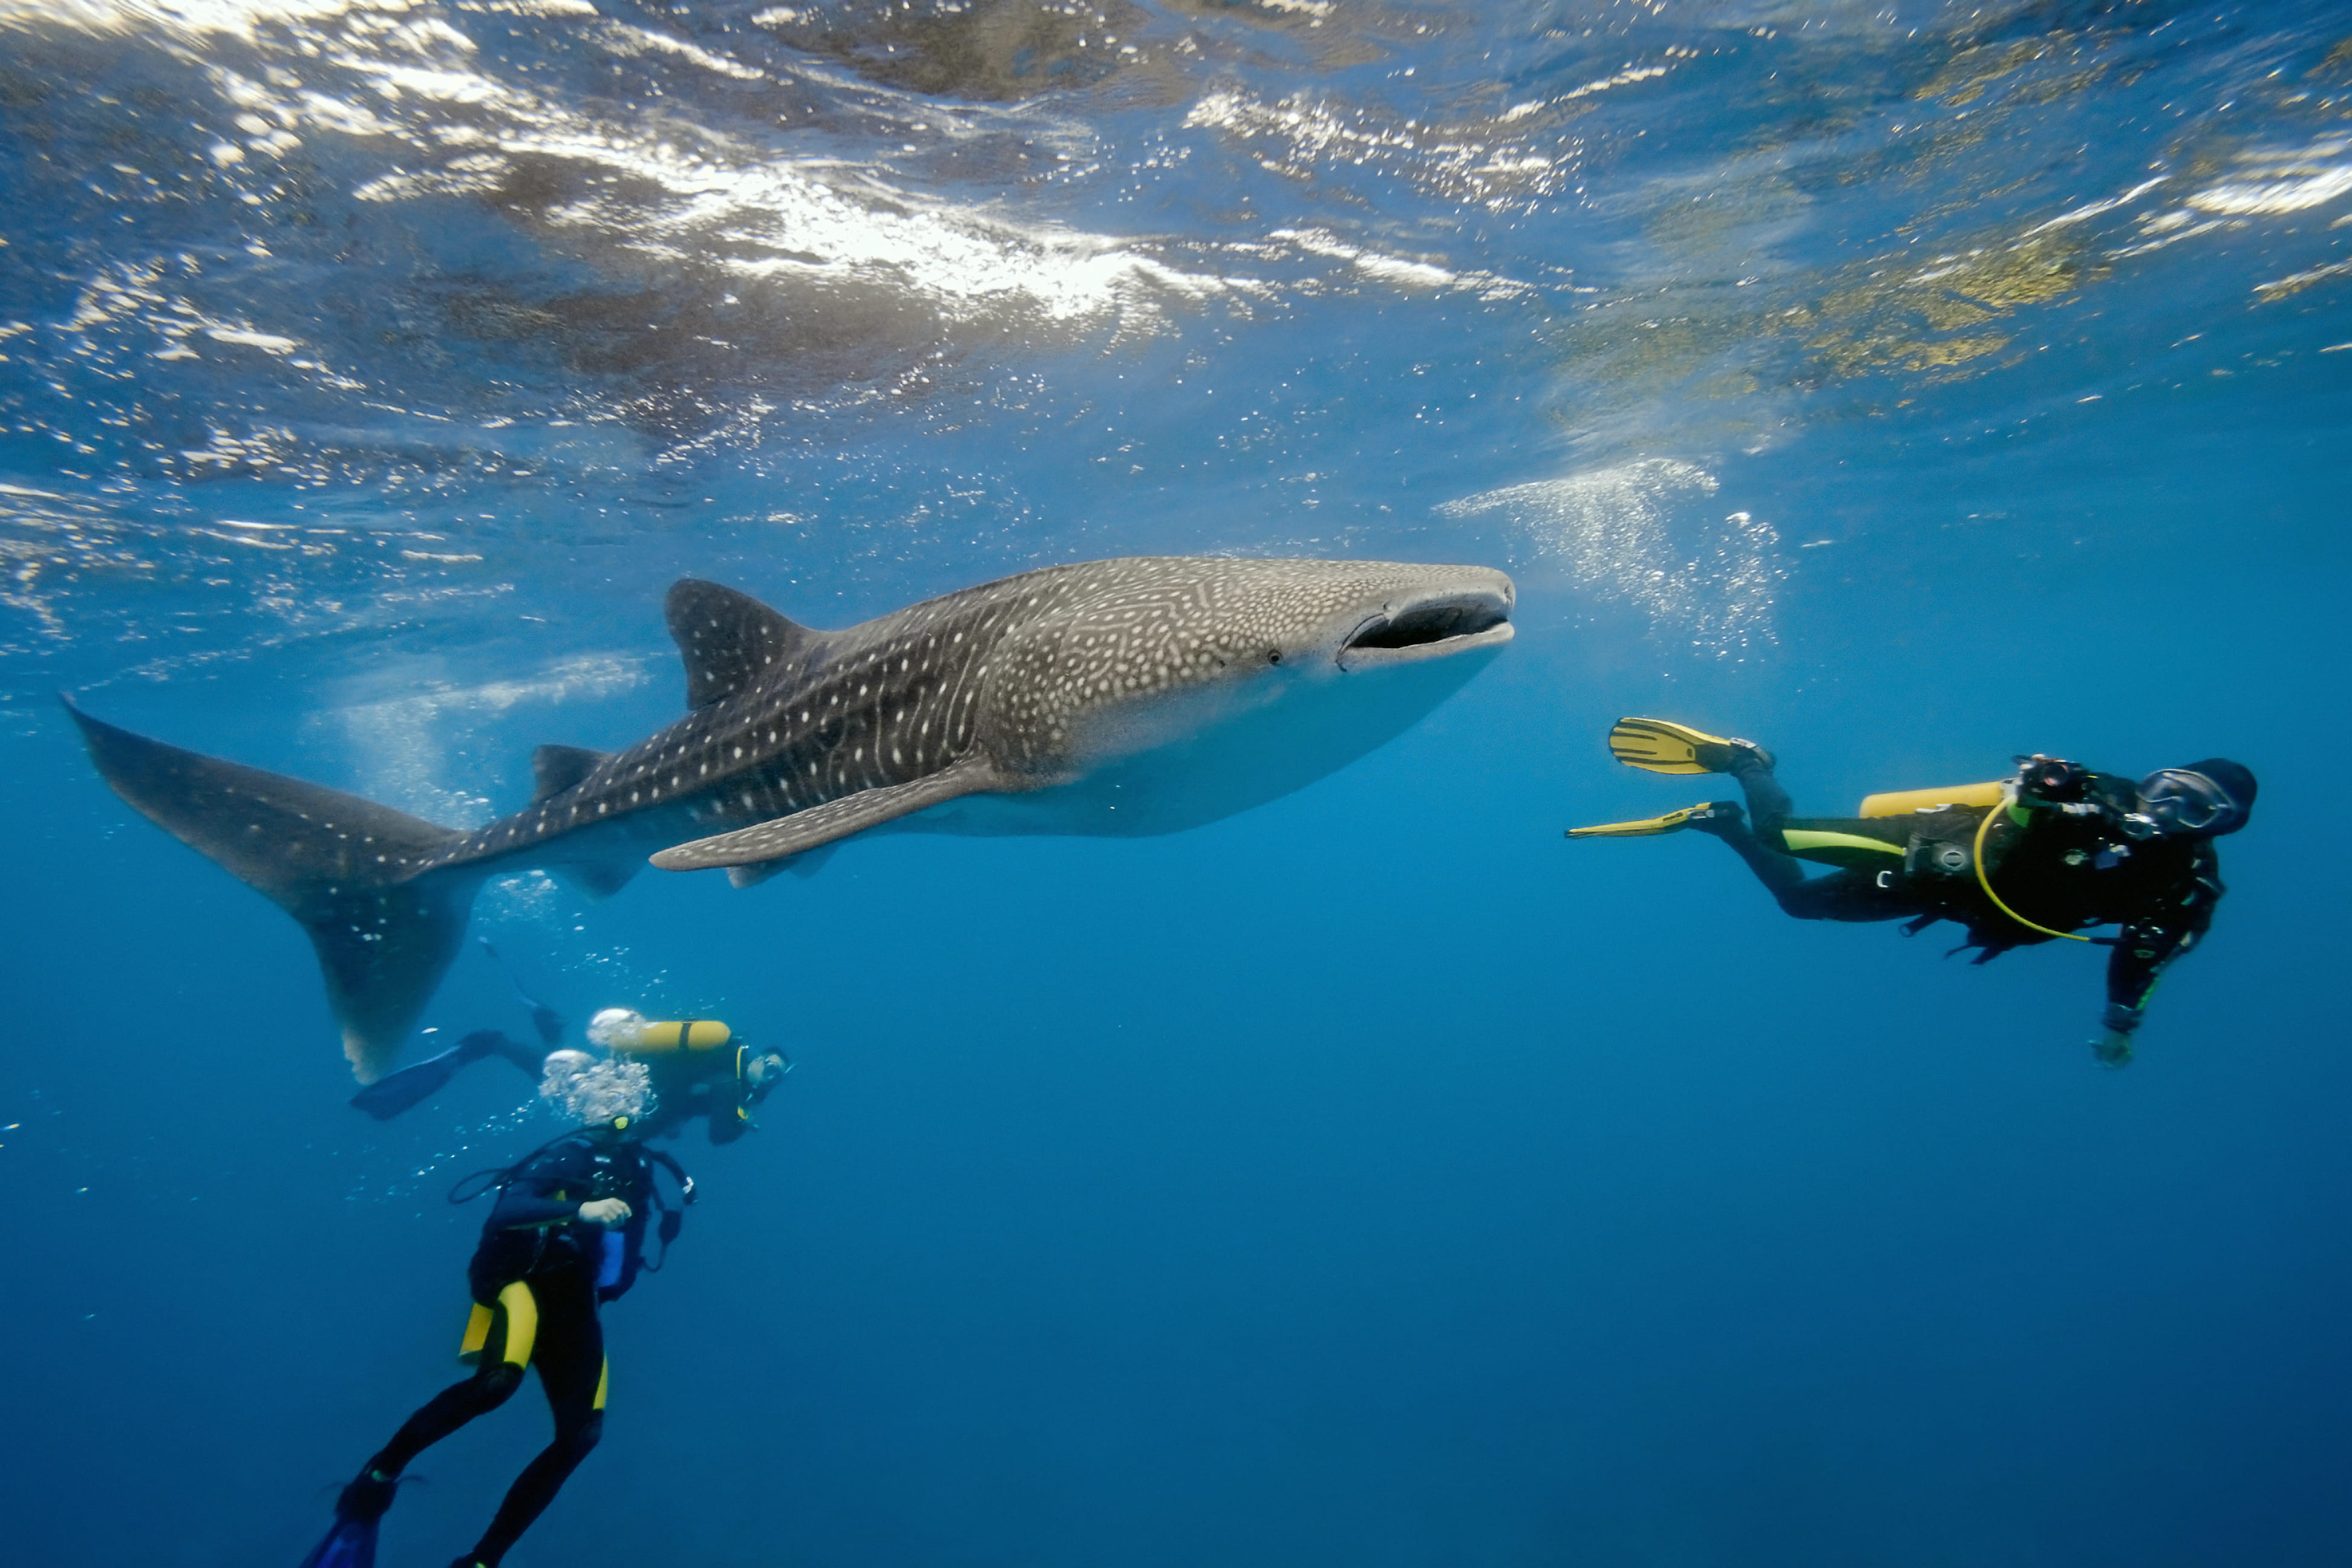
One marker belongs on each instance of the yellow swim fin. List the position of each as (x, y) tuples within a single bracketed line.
[(1651, 826), (1662, 746)]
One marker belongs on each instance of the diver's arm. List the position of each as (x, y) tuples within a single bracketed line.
[(523, 1207), (2154, 941), (530, 1200), (527, 1211)]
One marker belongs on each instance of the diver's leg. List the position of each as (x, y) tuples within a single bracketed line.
[(1781, 875), (570, 1362), (1768, 804), (1768, 810), (1845, 895), (529, 1062), (493, 1384), (1848, 895), (1834, 897)]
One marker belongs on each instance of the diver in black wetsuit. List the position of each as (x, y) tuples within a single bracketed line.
[(566, 1235), (2025, 861), (701, 1070)]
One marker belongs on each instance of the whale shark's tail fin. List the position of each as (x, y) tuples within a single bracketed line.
[(357, 874)]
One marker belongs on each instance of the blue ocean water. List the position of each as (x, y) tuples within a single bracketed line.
[(1369, 1178)]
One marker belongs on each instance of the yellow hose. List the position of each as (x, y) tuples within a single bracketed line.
[(1985, 883)]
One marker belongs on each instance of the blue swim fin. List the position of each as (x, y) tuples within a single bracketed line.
[(361, 1508), (350, 1544), (395, 1092)]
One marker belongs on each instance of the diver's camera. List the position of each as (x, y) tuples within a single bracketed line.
[(2051, 778)]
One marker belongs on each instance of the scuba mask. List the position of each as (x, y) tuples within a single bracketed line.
[(2182, 803), (758, 1075)]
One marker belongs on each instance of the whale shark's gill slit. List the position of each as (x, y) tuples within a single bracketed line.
[(1438, 621)]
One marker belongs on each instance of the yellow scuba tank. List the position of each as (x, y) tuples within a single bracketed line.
[(1992, 797), (625, 1033), (662, 1036), (1903, 802)]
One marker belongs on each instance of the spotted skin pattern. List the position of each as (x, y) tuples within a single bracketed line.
[(1005, 675), (798, 737)]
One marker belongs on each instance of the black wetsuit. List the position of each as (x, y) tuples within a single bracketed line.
[(2066, 865), (535, 1238), (707, 1086)]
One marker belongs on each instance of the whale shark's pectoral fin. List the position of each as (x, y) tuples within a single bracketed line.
[(835, 819)]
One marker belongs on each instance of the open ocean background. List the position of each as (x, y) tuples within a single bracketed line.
[(1374, 1179)]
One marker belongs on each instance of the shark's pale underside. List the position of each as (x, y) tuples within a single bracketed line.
[(1111, 696)]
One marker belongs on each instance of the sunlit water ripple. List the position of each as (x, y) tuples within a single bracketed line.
[(398, 322)]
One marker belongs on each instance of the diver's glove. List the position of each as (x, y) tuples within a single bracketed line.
[(604, 1211), (2117, 1024)]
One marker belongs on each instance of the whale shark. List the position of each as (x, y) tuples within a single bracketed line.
[(1125, 697)]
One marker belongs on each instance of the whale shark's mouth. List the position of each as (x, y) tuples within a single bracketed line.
[(1435, 627)]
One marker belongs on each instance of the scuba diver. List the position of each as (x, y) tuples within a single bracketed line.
[(566, 1235), (700, 1067), (701, 1070), (2018, 861)]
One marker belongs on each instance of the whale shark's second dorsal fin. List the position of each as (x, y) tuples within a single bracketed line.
[(731, 641), (554, 769)]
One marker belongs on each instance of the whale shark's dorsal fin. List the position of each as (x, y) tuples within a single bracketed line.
[(554, 769), (731, 641)]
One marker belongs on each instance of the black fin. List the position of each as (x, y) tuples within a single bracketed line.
[(598, 879), (821, 824), (731, 641), (411, 1085), (805, 864), (351, 870), (809, 862), (554, 769)]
